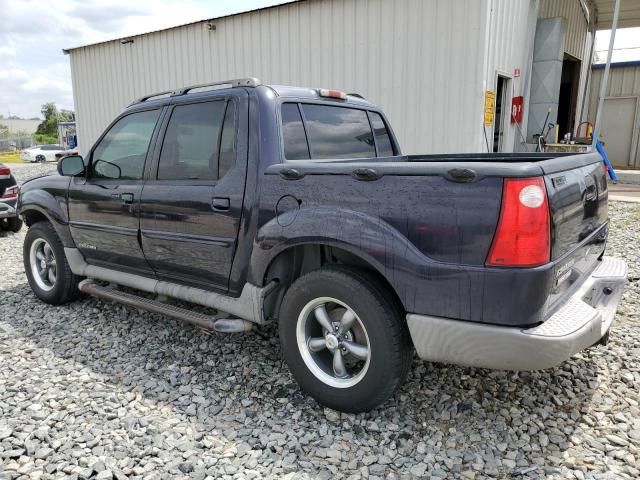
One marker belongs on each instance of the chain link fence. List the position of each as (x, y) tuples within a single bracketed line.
[(9, 144)]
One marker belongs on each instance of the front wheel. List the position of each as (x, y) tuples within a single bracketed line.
[(344, 338), (46, 266)]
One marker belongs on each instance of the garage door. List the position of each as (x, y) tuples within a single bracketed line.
[(619, 126)]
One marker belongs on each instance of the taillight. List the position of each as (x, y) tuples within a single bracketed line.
[(523, 235), (11, 192), (5, 172)]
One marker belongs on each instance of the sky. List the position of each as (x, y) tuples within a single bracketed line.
[(626, 47), (33, 69)]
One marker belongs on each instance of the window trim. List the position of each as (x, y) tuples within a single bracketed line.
[(150, 147), (300, 102), (394, 149), (153, 174)]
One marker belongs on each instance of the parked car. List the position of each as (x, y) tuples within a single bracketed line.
[(9, 219), (41, 153), (304, 212), (66, 153)]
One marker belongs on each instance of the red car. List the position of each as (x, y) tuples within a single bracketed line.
[(9, 219)]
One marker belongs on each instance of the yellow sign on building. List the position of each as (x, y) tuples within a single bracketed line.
[(489, 107)]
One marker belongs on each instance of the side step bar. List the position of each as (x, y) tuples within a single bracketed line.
[(223, 325)]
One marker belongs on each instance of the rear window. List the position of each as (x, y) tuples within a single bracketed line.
[(383, 140), (332, 132)]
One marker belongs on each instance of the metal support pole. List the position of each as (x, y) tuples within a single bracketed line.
[(605, 77)]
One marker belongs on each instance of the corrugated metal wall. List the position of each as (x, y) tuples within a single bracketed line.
[(510, 40), (577, 28), (422, 61), (577, 41), (624, 81)]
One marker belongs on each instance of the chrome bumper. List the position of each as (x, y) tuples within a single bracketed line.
[(7, 211), (580, 323)]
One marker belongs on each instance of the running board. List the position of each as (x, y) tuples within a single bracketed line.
[(223, 325), (248, 306)]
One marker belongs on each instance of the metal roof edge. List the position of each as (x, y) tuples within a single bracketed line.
[(66, 51), (630, 63)]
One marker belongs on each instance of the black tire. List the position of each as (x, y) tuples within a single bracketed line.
[(14, 224), (65, 287), (390, 349)]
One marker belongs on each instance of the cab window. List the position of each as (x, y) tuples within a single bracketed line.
[(121, 152), (317, 131), (199, 143)]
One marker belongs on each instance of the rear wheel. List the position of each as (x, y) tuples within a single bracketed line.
[(46, 266), (344, 339)]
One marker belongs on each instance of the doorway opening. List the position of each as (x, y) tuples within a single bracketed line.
[(502, 111), (568, 95)]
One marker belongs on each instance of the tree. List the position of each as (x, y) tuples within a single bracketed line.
[(49, 125), (52, 116)]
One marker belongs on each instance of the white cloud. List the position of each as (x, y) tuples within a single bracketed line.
[(33, 69)]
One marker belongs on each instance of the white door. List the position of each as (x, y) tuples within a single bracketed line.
[(618, 127)]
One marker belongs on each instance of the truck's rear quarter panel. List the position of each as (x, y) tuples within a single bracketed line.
[(444, 229)]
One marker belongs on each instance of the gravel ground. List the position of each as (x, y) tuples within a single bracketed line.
[(97, 390)]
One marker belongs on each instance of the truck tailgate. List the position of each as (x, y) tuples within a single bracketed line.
[(579, 221)]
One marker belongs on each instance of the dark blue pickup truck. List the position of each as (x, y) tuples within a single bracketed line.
[(295, 205)]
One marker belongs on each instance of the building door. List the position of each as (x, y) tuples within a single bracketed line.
[(502, 111), (618, 126), (568, 95)]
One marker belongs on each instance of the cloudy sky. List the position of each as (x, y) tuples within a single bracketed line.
[(33, 69)]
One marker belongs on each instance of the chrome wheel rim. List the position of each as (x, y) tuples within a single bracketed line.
[(43, 264), (333, 342)]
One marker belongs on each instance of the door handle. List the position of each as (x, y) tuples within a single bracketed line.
[(220, 203), (127, 198)]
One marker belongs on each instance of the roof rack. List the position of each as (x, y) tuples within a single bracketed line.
[(237, 82)]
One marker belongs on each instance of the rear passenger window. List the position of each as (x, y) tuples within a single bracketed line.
[(338, 132), (383, 140), (199, 143), (295, 140)]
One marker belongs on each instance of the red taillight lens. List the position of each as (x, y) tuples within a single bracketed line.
[(523, 236), (5, 172), (11, 192)]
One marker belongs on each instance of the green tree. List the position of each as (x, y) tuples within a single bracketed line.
[(52, 116), (49, 125)]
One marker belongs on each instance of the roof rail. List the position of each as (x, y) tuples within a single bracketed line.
[(237, 82), (147, 97)]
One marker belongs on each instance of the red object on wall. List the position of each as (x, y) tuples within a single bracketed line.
[(517, 106)]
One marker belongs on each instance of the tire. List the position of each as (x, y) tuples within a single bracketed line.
[(366, 377), (14, 224), (43, 252)]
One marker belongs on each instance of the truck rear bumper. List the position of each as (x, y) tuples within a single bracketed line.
[(580, 323), (7, 210)]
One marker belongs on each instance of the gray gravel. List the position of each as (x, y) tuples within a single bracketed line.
[(97, 390)]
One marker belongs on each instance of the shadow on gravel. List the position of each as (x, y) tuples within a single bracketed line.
[(222, 381)]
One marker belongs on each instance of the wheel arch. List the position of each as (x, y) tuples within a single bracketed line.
[(293, 261), (32, 214)]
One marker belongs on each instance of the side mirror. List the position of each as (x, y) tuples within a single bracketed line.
[(71, 166), (104, 169)]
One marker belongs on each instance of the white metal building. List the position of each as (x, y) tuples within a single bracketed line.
[(428, 63), (621, 114)]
